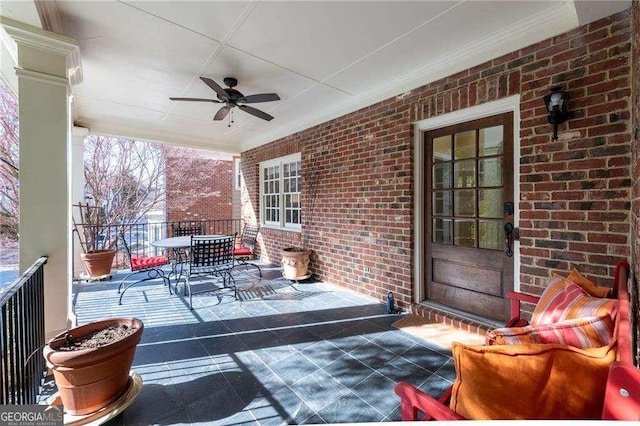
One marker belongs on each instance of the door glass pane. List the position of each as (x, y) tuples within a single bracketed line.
[(490, 142), (490, 203), (465, 233), (465, 203), (442, 203), (490, 172), (442, 231), (442, 148), (442, 175), (491, 234), (464, 174), (465, 144)]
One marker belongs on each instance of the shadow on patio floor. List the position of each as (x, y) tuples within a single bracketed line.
[(284, 353)]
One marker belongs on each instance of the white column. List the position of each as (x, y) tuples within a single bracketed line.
[(43, 70), (77, 189)]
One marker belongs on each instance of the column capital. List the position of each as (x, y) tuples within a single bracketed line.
[(33, 37)]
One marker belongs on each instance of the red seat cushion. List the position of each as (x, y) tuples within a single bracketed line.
[(242, 251), (148, 262)]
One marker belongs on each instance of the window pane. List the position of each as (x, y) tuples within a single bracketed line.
[(490, 172), (464, 203), (491, 142), (442, 175), (442, 231), (490, 203), (491, 234), (465, 144), (442, 148), (465, 233), (442, 203), (464, 174)]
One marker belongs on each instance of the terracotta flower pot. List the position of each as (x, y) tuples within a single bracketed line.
[(90, 379), (295, 263), (98, 262)]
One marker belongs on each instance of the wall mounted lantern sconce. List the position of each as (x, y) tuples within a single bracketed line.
[(556, 103)]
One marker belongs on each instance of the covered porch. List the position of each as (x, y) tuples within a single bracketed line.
[(284, 353)]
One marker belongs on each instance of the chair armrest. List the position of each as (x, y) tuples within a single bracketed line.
[(516, 299), (622, 395), (413, 399)]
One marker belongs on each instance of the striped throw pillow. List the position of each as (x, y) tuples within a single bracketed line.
[(564, 300), (581, 333)]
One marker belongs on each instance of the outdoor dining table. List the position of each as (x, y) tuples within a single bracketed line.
[(180, 247)]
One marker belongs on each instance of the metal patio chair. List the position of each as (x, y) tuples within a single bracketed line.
[(182, 229), (152, 266), (246, 247), (213, 256)]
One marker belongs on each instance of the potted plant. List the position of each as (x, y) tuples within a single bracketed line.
[(95, 240), (91, 363)]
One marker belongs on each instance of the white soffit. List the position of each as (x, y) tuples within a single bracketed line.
[(324, 58)]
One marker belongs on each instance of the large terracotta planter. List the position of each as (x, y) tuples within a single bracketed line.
[(90, 379), (295, 263), (98, 262)]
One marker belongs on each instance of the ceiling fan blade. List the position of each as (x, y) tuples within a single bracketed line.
[(196, 100), (262, 97), (222, 113), (216, 88), (256, 112)]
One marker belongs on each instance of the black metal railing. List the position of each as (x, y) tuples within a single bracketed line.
[(22, 336), (140, 236)]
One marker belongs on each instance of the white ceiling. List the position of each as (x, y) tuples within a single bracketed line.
[(324, 58)]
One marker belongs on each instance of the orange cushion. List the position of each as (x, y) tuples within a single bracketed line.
[(532, 381), (587, 285), (582, 333), (563, 300)]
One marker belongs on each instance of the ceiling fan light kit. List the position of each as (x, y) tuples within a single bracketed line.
[(233, 98)]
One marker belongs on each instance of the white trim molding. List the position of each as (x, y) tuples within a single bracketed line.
[(34, 37), (509, 104)]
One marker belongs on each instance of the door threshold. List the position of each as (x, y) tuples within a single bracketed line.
[(455, 318)]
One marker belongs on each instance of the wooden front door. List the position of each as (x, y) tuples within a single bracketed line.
[(469, 172)]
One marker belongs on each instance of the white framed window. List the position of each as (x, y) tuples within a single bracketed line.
[(281, 192), (237, 174)]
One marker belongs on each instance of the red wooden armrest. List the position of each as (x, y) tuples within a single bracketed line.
[(413, 399), (622, 395), (516, 298)]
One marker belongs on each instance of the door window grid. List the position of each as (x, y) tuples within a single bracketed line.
[(467, 203)]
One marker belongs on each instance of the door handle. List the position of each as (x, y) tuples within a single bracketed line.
[(508, 239)]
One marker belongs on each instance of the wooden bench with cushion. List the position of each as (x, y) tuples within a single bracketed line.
[(558, 368)]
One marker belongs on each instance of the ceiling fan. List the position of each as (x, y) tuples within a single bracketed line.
[(233, 98)]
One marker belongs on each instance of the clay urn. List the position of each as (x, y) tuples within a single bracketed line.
[(295, 263), (91, 379)]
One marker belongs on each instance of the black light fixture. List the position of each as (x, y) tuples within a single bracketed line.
[(556, 103)]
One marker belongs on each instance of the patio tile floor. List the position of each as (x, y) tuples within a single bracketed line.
[(285, 353)]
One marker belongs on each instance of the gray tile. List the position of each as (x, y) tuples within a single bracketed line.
[(377, 391), (348, 371), (280, 358), (318, 389), (349, 408), (372, 355)]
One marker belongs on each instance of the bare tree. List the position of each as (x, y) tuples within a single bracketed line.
[(9, 183), (124, 178)]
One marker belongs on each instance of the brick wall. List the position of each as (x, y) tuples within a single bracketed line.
[(636, 158), (575, 192), (199, 189)]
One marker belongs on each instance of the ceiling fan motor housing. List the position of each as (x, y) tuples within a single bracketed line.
[(230, 81)]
